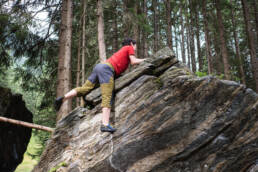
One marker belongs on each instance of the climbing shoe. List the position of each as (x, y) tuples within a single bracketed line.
[(58, 103), (107, 128)]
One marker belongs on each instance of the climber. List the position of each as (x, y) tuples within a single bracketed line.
[(104, 74)]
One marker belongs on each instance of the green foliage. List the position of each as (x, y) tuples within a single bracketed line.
[(32, 154), (33, 99), (35, 146), (221, 76), (62, 164), (159, 83), (201, 74)]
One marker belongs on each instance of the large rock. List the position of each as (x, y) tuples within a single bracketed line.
[(13, 138), (167, 120)]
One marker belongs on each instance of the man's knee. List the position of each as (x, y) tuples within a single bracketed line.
[(85, 89)]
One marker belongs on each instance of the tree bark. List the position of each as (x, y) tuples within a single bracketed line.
[(101, 36), (223, 45), (114, 29), (136, 28), (144, 35), (83, 45), (176, 40), (200, 59), (64, 57), (182, 35), (169, 24), (217, 60), (78, 72), (126, 19), (188, 44), (256, 21), (207, 37), (236, 40), (192, 47), (26, 124), (251, 44), (155, 21)]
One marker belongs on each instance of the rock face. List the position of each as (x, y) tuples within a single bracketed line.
[(167, 120), (13, 139)]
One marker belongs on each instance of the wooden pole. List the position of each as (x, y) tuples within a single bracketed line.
[(26, 124)]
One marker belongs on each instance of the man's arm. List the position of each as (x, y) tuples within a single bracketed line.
[(135, 60)]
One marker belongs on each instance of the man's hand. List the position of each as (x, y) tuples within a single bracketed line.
[(135, 60), (148, 60)]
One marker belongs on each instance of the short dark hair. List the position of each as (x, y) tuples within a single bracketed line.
[(128, 41)]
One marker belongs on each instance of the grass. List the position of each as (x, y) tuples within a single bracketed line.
[(31, 156)]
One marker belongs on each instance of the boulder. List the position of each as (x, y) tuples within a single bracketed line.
[(167, 119), (14, 139)]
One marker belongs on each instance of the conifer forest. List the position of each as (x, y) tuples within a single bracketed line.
[(48, 47)]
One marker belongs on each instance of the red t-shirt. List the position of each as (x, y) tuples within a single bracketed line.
[(120, 60)]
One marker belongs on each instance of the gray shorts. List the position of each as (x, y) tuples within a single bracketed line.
[(102, 72)]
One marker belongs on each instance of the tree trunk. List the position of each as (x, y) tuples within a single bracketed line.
[(256, 21), (182, 36), (144, 35), (114, 29), (207, 38), (217, 60), (26, 124), (155, 21), (101, 37), (241, 68), (83, 44), (78, 72), (176, 40), (136, 28), (251, 44), (126, 18), (192, 47), (169, 24), (200, 59), (140, 46), (188, 44), (158, 14), (64, 57), (223, 45)]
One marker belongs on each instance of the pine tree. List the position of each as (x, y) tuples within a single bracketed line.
[(191, 39), (223, 45), (251, 44), (236, 41), (182, 33), (169, 24), (101, 36), (64, 57), (207, 37)]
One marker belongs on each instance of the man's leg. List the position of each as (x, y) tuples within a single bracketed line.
[(106, 80), (105, 115), (79, 91), (83, 90), (106, 127), (70, 95), (106, 91)]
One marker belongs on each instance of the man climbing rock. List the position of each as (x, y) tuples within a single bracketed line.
[(104, 74)]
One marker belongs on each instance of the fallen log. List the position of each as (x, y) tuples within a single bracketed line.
[(26, 124)]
